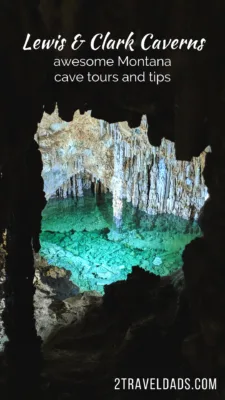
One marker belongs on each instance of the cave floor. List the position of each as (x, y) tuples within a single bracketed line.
[(80, 235)]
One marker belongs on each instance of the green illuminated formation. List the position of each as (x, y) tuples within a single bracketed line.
[(80, 235)]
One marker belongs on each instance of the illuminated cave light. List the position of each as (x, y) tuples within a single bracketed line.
[(79, 234)]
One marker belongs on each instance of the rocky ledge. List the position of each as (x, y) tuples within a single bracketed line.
[(53, 288), (142, 327)]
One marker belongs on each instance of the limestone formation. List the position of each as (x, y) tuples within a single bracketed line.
[(189, 111), (121, 159)]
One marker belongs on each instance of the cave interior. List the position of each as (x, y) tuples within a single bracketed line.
[(147, 324)]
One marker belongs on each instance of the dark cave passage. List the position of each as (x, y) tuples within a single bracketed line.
[(80, 235)]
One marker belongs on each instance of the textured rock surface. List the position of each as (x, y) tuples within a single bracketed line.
[(80, 235), (53, 287), (125, 163), (193, 117), (125, 335)]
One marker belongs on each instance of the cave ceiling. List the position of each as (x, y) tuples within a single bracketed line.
[(187, 111)]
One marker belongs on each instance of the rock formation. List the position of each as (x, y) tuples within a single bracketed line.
[(87, 151), (189, 111), (53, 286)]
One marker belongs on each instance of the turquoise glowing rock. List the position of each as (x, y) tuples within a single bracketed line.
[(157, 261)]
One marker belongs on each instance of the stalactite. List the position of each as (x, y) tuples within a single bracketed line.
[(97, 187), (153, 180), (74, 186), (80, 192), (68, 188), (161, 189), (64, 190), (102, 127), (71, 186), (118, 176)]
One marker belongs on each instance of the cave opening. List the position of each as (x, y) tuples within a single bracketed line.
[(114, 201), (62, 344)]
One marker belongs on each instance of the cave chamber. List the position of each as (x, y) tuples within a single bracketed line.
[(65, 344), (115, 201)]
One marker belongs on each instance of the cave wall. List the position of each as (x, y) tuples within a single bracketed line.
[(193, 106), (88, 150)]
